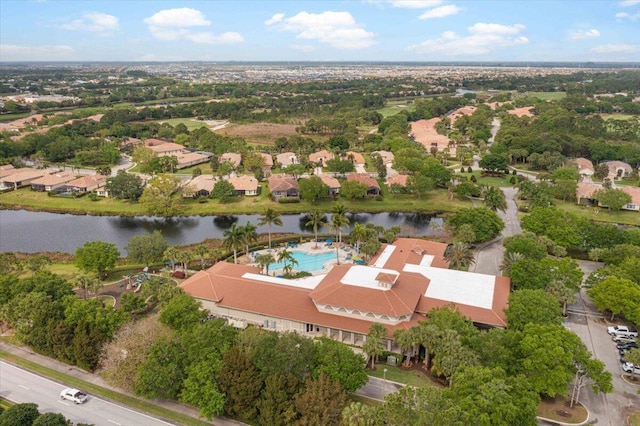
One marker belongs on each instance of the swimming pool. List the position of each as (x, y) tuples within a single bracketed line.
[(306, 262)]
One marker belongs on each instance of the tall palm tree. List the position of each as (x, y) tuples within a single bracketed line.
[(170, 254), (183, 257), (249, 236), (264, 260), (459, 255), (404, 339), (509, 259), (494, 199), (233, 238), (84, 282), (270, 217), (427, 335), (359, 234), (201, 250), (316, 221), (287, 258), (339, 220)]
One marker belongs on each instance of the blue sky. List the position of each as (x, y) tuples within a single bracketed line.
[(358, 30)]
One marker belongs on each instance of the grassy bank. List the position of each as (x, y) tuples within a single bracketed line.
[(435, 202), (401, 375), (600, 214)]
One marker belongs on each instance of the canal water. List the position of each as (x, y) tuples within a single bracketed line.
[(30, 232)]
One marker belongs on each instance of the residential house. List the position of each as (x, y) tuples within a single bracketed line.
[(189, 159), (18, 178), (585, 193), (585, 166), (402, 283), (199, 186), (355, 157), (424, 132), (268, 163), (373, 188), (398, 180), (387, 157), (231, 157), (321, 157), (286, 159), (245, 185), (86, 184), (618, 170), (282, 186), (162, 148), (333, 184), (53, 182), (634, 192)]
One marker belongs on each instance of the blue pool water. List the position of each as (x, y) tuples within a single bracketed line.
[(306, 262)]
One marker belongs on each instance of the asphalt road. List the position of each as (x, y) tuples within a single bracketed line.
[(21, 386), (377, 388)]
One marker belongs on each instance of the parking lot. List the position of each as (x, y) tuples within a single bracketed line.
[(611, 409)]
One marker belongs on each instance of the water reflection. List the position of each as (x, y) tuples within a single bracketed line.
[(37, 231)]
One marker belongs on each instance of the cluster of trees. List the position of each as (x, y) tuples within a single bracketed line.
[(475, 224), (255, 376), (28, 415), (495, 377)]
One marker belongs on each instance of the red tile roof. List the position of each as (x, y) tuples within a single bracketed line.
[(398, 180), (363, 178), (331, 182), (282, 183)]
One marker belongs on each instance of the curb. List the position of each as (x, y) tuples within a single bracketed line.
[(557, 422)]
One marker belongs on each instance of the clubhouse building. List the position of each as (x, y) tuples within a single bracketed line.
[(398, 288)]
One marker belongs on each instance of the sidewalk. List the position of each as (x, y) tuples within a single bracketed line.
[(26, 353)]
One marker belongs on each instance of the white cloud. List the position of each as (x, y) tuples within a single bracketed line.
[(94, 22), (414, 4), (629, 3), (303, 47), (184, 17), (616, 48), (441, 12), (278, 17), (337, 29), (11, 52), (482, 39), (624, 15), (584, 34), (176, 24)]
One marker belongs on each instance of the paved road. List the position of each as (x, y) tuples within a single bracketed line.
[(489, 258), (613, 408), (21, 386), (377, 388)]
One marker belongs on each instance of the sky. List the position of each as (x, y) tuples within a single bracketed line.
[(356, 30)]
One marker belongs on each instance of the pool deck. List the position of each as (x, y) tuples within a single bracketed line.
[(344, 251)]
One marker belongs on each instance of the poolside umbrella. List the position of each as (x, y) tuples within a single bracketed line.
[(329, 241), (356, 258)]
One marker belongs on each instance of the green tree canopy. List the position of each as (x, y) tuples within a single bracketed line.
[(147, 248), (223, 191), (126, 186), (486, 223), (96, 256), (532, 306), (615, 199), (162, 196), (312, 189)]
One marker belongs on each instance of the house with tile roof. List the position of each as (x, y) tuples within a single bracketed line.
[(321, 157), (399, 180), (333, 184), (231, 157), (286, 159), (267, 165), (86, 184), (387, 156), (618, 170), (189, 159), (282, 186), (634, 192), (53, 182), (373, 187), (12, 178), (398, 288), (161, 148), (355, 157), (199, 186), (584, 165), (585, 195), (245, 185)]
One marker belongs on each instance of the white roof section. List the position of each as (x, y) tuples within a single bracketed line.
[(365, 276), (427, 259), (466, 288), (308, 283), (384, 256)]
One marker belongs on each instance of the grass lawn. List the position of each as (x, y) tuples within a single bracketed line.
[(548, 96), (191, 123), (68, 271), (7, 404), (120, 398), (493, 181), (617, 116), (600, 215), (395, 106), (109, 301), (400, 375), (634, 420), (436, 201), (559, 410)]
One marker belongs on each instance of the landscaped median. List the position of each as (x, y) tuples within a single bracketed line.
[(120, 398)]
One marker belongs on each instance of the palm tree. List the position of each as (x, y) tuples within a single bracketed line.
[(374, 346), (233, 238), (459, 255), (270, 217), (183, 257), (359, 233), (427, 335), (170, 254), (249, 236), (201, 250), (264, 260), (316, 221), (84, 282), (509, 260), (339, 220), (405, 339), (562, 293), (494, 199), (287, 258)]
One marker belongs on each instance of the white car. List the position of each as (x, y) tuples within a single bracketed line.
[(73, 395), (628, 367), (622, 330)]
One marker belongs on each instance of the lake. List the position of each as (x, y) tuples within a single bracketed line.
[(30, 232)]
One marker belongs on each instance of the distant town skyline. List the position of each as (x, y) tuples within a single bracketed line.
[(366, 30)]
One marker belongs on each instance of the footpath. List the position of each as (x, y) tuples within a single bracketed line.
[(27, 354)]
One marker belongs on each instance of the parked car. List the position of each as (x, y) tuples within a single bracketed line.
[(622, 330), (628, 368), (623, 339), (73, 395), (627, 345)]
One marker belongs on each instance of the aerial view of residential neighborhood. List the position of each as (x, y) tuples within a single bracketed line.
[(357, 213)]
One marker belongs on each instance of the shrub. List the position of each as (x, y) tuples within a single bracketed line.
[(469, 169), (288, 200)]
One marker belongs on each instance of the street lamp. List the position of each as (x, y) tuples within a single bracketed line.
[(384, 374)]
